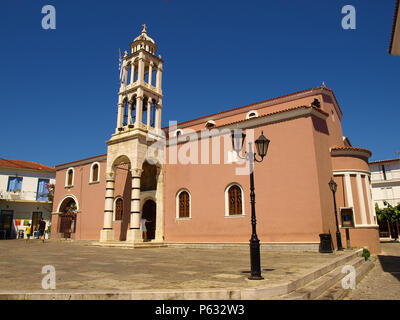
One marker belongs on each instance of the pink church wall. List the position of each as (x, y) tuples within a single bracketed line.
[(90, 197), (287, 184)]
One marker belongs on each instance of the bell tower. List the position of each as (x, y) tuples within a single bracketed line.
[(140, 94), (138, 127)]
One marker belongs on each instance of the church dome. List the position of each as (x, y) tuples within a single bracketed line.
[(143, 41), (144, 36)]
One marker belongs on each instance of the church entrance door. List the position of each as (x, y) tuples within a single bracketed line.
[(149, 213)]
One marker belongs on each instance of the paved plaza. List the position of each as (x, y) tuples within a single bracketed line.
[(82, 267)]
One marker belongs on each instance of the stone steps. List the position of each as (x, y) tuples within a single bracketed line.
[(328, 284), (127, 245), (337, 292)]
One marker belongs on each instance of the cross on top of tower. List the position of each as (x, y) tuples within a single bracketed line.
[(143, 35)]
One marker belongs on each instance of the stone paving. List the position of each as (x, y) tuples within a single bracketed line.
[(82, 267), (383, 281)]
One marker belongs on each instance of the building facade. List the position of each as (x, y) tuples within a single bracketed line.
[(188, 183), (23, 196), (385, 179)]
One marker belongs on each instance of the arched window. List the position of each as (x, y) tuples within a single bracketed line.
[(210, 124), (94, 172), (69, 179), (251, 114), (234, 200), (178, 133), (183, 204), (119, 209)]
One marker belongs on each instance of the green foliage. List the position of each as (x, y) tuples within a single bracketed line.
[(366, 254), (389, 213)]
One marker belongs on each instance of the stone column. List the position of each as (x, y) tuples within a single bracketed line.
[(134, 234), (107, 234), (126, 77), (141, 71), (150, 72), (159, 77), (120, 117), (132, 72), (149, 103), (139, 111), (158, 116)]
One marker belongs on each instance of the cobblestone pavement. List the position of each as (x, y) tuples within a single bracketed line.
[(383, 281), (82, 267)]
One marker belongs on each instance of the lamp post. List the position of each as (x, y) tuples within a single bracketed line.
[(333, 187), (262, 146)]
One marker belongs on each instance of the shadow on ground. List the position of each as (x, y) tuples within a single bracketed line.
[(390, 264)]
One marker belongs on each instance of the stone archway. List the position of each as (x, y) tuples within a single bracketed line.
[(151, 189), (67, 217)]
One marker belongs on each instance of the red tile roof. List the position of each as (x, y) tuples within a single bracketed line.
[(277, 112), (351, 148), (20, 164), (179, 125)]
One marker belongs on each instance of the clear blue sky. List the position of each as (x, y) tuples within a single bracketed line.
[(58, 88)]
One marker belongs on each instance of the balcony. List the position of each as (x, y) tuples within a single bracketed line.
[(22, 196)]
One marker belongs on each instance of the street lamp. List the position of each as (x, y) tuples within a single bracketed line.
[(333, 187), (262, 144)]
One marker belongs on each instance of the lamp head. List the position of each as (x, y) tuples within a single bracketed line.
[(262, 144)]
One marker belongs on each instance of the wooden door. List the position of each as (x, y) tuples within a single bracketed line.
[(6, 218), (149, 213)]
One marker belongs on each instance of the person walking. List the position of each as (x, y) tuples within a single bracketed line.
[(28, 233), (42, 228)]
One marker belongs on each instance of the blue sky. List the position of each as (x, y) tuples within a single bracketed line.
[(58, 88)]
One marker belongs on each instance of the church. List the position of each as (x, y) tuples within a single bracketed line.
[(193, 189)]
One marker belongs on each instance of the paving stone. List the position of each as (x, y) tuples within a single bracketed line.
[(383, 281)]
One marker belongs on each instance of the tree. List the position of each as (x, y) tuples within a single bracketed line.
[(389, 214)]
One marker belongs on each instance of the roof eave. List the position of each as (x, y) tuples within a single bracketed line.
[(394, 47)]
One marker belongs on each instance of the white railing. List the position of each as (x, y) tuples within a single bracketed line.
[(21, 195)]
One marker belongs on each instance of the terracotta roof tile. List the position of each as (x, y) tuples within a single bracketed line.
[(258, 103), (351, 148), (9, 163), (261, 116)]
